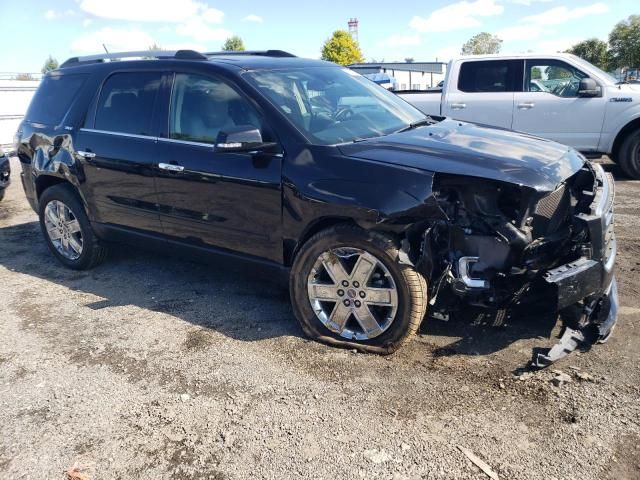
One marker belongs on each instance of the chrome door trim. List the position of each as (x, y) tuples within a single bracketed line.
[(121, 134)]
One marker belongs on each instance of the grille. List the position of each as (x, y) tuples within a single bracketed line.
[(551, 212)]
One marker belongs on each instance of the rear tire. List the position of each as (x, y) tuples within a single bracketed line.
[(2, 192), (390, 288), (629, 156), (67, 230)]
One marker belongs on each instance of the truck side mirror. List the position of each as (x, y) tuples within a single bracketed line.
[(589, 88)]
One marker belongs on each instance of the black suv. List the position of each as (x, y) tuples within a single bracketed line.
[(376, 210)]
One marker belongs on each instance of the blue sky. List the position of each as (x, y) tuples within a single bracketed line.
[(33, 29)]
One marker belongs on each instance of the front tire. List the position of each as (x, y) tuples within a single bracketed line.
[(348, 289), (67, 230), (629, 157)]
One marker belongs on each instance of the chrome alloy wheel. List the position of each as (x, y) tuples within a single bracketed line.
[(63, 229), (352, 293)]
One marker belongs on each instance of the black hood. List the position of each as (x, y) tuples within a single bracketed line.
[(462, 148)]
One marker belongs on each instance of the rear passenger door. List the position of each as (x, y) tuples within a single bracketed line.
[(209, 198), (485, 91), (119, 148)]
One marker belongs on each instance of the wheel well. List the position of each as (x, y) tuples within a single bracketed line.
[(45, 181), (622, 135), (321, 224)]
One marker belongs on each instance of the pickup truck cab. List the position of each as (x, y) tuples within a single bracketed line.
[(559, 96)]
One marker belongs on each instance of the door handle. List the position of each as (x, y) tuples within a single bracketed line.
[(169, 167), (85, 154), (526, 105), (458, 106)]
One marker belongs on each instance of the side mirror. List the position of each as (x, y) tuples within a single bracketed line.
[(243, 138), (588, 88)]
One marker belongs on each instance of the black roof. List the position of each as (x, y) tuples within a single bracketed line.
[(253, 60)]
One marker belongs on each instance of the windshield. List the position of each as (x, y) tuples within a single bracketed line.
[(590, 66), (333, 105)]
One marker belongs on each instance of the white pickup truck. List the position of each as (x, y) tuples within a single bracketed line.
[(559, 96)]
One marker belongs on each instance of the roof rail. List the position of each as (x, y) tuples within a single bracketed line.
[(258, 53), (101, 57)]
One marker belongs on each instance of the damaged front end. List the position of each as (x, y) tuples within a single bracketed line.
[(502, 244)]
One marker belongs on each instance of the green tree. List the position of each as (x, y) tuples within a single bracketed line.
[(342, 49), (624, 43), (482, 44), (409, 60), (49, 64), (536, 74), (592, 50), (233, 44)]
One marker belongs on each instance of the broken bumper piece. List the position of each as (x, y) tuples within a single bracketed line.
[(599, 324)]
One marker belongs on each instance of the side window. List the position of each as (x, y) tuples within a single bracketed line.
[(490, 76), (126, 102), (54, 97), (202, 106), (553, 76)]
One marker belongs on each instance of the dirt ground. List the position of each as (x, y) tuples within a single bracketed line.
[(150, 367)]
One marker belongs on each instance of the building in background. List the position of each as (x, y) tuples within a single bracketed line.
[(405, 75), (15, 96)]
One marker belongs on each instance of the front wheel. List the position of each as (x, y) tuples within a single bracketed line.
[(629, 156), (348, 289)]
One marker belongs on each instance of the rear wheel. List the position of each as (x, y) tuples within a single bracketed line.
[(348, 289), (2, 190), (629, 156), (67, 230)]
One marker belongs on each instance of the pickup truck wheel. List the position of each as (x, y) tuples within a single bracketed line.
[(629, 157), (348, 289), (67, 230)]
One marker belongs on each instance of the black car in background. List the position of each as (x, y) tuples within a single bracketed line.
[(377, 212), (5, 173)]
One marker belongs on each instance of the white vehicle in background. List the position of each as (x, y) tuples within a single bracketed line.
[(559, 96)]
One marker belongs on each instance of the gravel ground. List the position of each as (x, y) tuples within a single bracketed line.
[(150, 367)]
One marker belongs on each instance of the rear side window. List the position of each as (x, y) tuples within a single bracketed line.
[(491, 76), (126, 102), (54, 97)]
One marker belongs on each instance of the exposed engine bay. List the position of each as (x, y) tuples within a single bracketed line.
[(503, 244)]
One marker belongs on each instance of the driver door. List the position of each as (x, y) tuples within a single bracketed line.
[(211, 198), (550, 107)]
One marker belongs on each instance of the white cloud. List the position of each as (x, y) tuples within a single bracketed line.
[(198, 47), (116, 39), (201, 32), (528, 3), (447, 53), (521, 32), (53, 15), (253, 18), (400, 40), (86, 22), (557, 15), (457, 16), (174, 11)]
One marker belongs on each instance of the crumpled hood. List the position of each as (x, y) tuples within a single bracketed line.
[(461, 148)]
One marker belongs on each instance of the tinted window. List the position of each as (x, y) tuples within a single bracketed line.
[(126, 102), (491, 76), (53, 98), (553, 76), (201, 107)]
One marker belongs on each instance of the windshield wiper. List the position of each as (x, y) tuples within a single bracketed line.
[(420, 123)]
